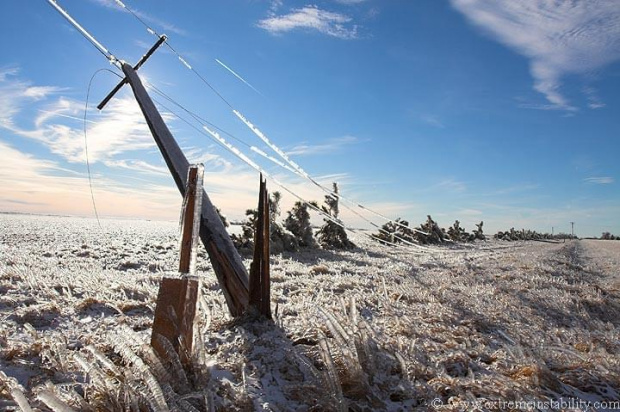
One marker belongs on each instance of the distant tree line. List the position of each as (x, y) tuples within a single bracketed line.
[(526, 234), (429, 232), (609, 236), (297, 232)]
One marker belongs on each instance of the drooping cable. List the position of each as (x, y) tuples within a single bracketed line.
[(118, 63), (296, 168), (230, 148), (252, 164), (88, 169)]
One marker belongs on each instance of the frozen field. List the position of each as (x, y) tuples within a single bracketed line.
[(371, 329)]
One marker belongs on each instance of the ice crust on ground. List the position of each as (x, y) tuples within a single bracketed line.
[(373, 328)]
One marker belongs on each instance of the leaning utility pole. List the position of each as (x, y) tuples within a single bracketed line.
[(225, 259)]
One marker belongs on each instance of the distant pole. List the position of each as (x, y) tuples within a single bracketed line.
[(572, 229), (552, 233)]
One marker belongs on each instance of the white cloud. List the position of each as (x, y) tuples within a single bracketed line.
[(139, 166), (311, 18), (7, 71), (559, 37), (594, 102), (432, 120), (328, 147), (15, 94), (115, 139), (599, 180), (119, 128), (453, 185)]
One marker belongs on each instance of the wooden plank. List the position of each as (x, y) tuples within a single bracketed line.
[(226, 262), (174, 317)]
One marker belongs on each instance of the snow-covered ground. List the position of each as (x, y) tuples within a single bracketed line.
[(454, 328)]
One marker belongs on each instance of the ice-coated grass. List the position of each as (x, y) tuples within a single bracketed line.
[(368, 329)]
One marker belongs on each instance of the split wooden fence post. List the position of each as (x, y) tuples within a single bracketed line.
[(260, 288), (177, 298)]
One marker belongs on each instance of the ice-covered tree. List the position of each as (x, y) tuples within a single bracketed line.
[(395, 232), (280, 239), (457, 234), (332, 233), (478, 234), (432, 232), (298, 223)]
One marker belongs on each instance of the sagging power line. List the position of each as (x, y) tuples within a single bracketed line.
[(296, 168)]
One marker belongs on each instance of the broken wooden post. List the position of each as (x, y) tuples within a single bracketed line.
[(177, 297), (226, 262), (260, 289)]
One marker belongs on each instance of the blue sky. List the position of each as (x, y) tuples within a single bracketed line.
[(474, 110)]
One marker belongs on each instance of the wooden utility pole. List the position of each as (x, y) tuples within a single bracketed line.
[(225, 259), (226, 262)]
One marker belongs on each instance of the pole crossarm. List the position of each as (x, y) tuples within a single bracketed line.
[(144, 58), (225, 259)]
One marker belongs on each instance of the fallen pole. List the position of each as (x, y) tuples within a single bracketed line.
[(225, 260)]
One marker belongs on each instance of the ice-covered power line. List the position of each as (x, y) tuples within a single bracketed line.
[(325, 215), (234, 150), (296, 168), (234, 73), (271, 158), (301, 172), (231, 148), (255, 166), (102, 49)]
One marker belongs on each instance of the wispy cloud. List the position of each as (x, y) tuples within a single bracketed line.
[(311, 18), (16, 93), (453, 185), (526, 187), (558, 37), (164, 25), (212, 161), (599, 180), (117, 140), (139, 166), (594, 102), (329, 147), (118, 129), (8, 71), (432, 120)]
